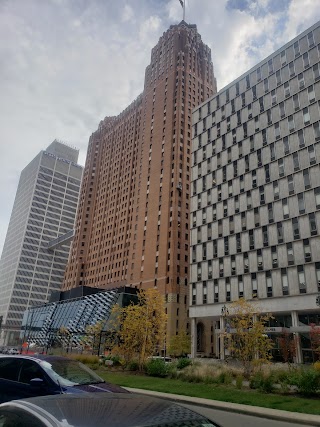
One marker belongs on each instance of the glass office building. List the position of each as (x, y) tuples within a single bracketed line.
[(72, 311), (44, 209)]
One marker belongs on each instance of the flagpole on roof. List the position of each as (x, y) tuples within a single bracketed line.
[(183, 4)]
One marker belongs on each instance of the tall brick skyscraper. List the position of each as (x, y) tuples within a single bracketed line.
[(133, 220)]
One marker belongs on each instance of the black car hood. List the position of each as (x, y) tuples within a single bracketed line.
[(101, 387)]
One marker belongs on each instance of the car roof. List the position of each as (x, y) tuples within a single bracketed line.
[(120, 409)]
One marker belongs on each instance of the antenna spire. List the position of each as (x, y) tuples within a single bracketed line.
[(183, 5)]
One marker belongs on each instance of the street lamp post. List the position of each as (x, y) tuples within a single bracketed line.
[(224, 315)]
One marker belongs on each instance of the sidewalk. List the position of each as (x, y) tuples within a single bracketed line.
[(274, 414)]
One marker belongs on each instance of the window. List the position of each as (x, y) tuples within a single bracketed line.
[(296, 164), (316, 72), (306, 116), (228, 290), (254, 179), (284, 280), (249, 200), (251, 239), (254, 285), (281, 167), (290, 254), (313, 224), (270, 213), (290, 184), (265, 236), (274, 257), (295, 100), (216, 291), (291, 69), (301, 138), (312, 155), (316, 128), (310, 39), (286, 89), (282, 109), (280, 232), (317, 197), (270, 66), (269, 284), (296, 48), (194, 294), (258, 74), (277, 131), (272, 152), (301, 80), (290, 123), (295, 228), (286, 148), (311, 94), (318, 274), (260, 259), (306, 179), (283, 58), (285, 208), (301, 203), (256, 217), (240, 286), (276, 190), (204, 293), (273, 97), (264, 137), (301, 279), (307, 250), (266, 85), (305, 58), (267, 172)]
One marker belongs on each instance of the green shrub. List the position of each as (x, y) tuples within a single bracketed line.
[(225, 377), (183, 362), (262, 382), (156, 368), (133, 365), (256, 381), (307, 381), (239, 382), (87, 359)]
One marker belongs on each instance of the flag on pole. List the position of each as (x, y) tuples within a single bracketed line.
[(181, 2)]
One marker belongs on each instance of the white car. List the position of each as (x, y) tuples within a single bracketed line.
[(13, 351)]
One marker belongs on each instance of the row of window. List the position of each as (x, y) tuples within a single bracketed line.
[(228, 289)]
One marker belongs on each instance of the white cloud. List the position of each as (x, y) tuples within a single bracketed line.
[(127, 13), (66, 64)]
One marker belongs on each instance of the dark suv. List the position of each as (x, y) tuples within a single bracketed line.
[(28, 376)]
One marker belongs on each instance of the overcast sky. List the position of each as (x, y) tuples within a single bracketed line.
[(66, 64)]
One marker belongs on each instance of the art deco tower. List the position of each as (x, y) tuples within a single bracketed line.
[(133, 220)]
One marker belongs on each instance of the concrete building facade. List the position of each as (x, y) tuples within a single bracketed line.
[(132, 226), (255, 198), (44, 208)]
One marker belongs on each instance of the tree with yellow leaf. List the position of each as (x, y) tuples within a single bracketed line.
[(180, 344), (141, 327), (247, 341)]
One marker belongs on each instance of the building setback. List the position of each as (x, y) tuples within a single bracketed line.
[(132, 226), (44, 208), (256, 197)]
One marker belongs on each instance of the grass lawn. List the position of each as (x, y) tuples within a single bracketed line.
[(213, 391)]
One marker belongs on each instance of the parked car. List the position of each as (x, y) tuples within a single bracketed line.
[(13, 351), (26, 376), (99, 410)]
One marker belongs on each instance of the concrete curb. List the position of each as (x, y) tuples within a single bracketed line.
[(256, 411)]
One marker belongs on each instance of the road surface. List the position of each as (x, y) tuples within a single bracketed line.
[(232, 419)]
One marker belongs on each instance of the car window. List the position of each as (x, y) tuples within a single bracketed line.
[(30, 370), (18, 418), (9, 369)]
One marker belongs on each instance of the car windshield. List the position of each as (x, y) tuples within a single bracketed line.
[(68, 372)]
